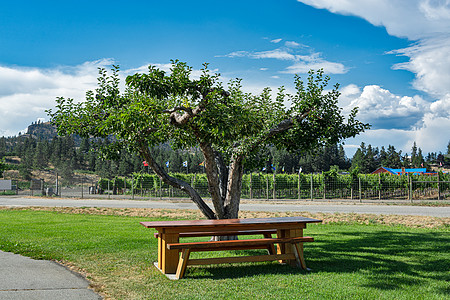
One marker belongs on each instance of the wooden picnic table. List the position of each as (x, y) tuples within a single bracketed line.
[(285, 227)]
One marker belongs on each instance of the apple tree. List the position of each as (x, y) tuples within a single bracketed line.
[(228, 125)]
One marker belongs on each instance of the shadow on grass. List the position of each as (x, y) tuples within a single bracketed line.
[(388, 259), (219, 272)]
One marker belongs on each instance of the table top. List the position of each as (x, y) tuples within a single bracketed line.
[(230, 222)]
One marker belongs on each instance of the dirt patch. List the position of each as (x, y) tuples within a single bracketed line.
[(182, 214)]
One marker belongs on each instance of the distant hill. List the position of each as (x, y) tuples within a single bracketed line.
[(42, 131)]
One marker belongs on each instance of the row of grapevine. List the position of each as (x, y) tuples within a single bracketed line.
[(327, 185)]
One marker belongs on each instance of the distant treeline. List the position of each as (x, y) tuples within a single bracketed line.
[(68, 154)]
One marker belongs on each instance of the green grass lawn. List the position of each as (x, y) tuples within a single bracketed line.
[(348, 261)]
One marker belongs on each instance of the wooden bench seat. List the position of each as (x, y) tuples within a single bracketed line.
[(187, 248), (265, 233)]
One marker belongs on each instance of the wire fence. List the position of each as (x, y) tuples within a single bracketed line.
[(255, 186)]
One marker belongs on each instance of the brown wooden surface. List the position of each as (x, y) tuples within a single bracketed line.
[(286, 227), (224, 233), (183, 263), (238, 259), (169, 258), (228, 222), (225, 245)]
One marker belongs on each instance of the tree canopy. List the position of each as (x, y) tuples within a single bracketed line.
[(228, 125)]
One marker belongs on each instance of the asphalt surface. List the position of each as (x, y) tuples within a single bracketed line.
[(26, 278), (312, 207)]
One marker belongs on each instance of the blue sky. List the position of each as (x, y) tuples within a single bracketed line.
[(389, 56)]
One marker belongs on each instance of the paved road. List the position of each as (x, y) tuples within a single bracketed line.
[(26, 278), (313, 208)]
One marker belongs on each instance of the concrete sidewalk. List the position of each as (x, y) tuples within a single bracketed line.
[(25, 278)]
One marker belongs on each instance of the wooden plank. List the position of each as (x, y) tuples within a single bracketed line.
[(169, 258), (236, 243), (182, 264), (239, 259), (291, 248), (281, 249), (160, 252), (231, 222), (265, 233), (299, 255), (270, 248), (230, 248), (225, 228)]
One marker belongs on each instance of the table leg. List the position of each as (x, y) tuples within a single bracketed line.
[(299, 254), (169, 258), (160, 251), (288, 248)]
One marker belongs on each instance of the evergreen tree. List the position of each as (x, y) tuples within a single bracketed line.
[(414, 155), (41, 155), (393, 158), (420, 160)]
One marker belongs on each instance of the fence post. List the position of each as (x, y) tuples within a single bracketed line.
[(324, 187), (160, 189), (312, 186), (274, 187), (408, 179), (410, 189), (298, 186), (108, 189), (42, 187), (439, 186), (379, 186), (251, 186), (360, 190), (82, 187), (132, 187), (56, 185), (267, 187)]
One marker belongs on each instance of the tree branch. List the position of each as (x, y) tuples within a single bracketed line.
[(181, 119), (279, 128), (178, 108), (176, 183)]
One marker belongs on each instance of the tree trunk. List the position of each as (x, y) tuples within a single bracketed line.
[(213, 175), (234, 187)]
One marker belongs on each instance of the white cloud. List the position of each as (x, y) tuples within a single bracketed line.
[(427, 23), (328, 66), (430, 61), (25, 93), (441, 108), (292, 44), (397, 120), (301, 63), (383, 109), (414, 19), (430, 137), (276, 54), (276, 41)]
